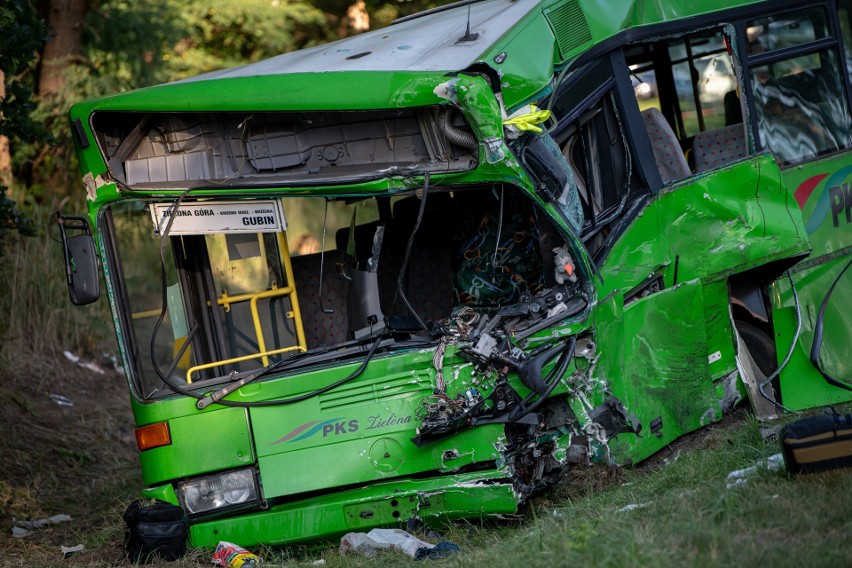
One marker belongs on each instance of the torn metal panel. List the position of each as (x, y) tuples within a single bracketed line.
[(475, 98), (93, 184), (761, 397)]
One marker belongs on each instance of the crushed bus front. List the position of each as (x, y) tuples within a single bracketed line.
[(395, 289)]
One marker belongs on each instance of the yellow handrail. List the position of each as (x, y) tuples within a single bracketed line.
[(263, 354), (295, 314), (146, 314), (294, 298)]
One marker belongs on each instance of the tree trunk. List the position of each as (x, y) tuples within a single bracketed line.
[(5, 153), (65, 20)]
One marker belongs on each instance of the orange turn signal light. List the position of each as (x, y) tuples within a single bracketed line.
[(153, 436)]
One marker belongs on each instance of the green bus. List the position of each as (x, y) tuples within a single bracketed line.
[(423, 271)]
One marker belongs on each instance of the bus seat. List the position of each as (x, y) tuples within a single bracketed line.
[(428, 279), (321, 328), (670, 159), (715, 148)]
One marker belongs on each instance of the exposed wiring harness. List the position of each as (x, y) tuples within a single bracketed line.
[(793, 343), (404, 268), (818, 328)]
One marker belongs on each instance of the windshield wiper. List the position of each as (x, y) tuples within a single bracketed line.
[(314, 356), (247, 377)]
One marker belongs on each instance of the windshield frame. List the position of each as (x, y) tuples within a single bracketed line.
[(135, 349)]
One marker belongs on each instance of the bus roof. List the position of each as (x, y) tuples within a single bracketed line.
[(521, 40)]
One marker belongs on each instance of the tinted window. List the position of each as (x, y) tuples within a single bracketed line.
[(800, 102)]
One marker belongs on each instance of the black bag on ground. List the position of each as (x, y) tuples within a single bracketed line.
[(157, 531), (819, 443)]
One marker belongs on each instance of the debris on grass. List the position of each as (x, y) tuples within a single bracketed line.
[(69, 551), (367, 544), (770, 433), (440, 550), (60, 400), (740, 477), (230, 555), (89, 365), (21, 529), (18, 532), (633, 507)]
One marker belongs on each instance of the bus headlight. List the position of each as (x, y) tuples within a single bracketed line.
[(236, 488)]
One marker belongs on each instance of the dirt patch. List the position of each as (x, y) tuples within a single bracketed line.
[(68, 447), (708, 437)]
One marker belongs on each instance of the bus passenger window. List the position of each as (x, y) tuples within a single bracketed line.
[(799, 99), (844, 12), (693, 112)]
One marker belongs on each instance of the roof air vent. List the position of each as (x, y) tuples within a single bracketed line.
[(570, 28)]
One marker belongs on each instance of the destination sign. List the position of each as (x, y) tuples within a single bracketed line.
[(210, 217)]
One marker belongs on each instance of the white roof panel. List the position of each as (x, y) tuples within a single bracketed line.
[(426, 43)]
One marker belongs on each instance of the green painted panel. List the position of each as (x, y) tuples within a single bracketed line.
[(821, 189), (710, 226), (802, 386), (731, 220), (201, 443), (370, 458), (721, 346), (162, 493), (664, 370), (366, 424), (471, 495)]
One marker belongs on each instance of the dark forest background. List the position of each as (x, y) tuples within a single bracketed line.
[(54, 53)]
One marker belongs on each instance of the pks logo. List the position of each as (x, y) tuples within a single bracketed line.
[(331, 427), (835, 196)]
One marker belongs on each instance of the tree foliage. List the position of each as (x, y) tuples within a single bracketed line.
[(127, 44), (23, 34)]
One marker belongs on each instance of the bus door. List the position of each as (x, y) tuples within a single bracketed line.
[(653, 345)]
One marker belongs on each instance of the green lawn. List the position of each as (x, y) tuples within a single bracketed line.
[(686, 516)]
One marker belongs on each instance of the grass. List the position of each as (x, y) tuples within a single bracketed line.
[(687, 517), (684, 516), (39, 319)]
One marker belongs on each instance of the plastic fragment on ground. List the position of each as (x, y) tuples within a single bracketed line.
[(18, 532), (60, 400), (19, 527), (69, 551), (88, 365), (378, 539), (633, 507), (740, 477), (40, 523)]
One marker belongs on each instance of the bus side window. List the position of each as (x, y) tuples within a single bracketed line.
[(799, 99), (844, 12), (688, 92)]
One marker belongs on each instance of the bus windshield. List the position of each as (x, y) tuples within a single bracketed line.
[(213, 303)]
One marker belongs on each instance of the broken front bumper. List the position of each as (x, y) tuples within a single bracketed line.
[(482, 494)]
